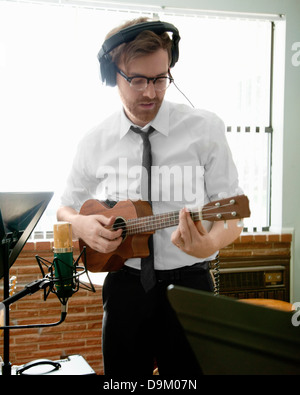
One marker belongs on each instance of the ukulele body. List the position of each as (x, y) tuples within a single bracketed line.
[(133, 246)]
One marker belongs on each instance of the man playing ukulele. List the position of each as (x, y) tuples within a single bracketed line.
[(139, 325)]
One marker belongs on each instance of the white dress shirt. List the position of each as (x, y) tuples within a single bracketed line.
[(192, 165)]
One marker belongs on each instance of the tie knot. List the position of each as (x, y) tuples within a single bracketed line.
[(144, 135)]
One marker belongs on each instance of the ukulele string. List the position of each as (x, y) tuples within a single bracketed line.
[(144, 224)]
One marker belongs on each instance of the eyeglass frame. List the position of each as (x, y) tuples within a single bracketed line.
[(153, 79)]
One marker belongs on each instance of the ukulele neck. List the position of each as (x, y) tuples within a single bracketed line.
[(156, 222)]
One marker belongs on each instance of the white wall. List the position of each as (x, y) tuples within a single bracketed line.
[(285, 212)]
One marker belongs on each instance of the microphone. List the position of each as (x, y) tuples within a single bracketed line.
[(62, 278), (65, 271)]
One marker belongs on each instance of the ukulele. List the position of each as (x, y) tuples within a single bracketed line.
[(137, 221)]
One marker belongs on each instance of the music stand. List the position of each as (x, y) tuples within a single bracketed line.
[(19, 214), (232, 337)]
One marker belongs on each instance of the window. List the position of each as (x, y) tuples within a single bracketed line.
[(229, 63), (51, 93)]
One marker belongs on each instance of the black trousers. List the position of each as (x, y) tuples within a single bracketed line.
[(140, 328)]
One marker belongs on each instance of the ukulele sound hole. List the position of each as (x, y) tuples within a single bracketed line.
[(120, 223)]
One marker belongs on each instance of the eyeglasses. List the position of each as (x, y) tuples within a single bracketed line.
[(140, 83)]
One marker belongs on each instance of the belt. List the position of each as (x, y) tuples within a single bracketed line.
[(174, 274)]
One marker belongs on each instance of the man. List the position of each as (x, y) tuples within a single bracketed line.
[(191, 165)]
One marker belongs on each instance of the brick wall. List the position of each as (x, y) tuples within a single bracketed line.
[(81, 331), (267, 244)]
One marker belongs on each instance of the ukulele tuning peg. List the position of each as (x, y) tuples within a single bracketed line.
[(225, 225)]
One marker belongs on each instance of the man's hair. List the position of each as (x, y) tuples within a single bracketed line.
[(145, 43)]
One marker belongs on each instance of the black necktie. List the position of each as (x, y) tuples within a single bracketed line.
[(148, 278)]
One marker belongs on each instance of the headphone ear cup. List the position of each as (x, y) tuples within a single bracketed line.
[(108, 71), (174, 53)]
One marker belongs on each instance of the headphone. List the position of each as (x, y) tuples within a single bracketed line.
[(107, 66)]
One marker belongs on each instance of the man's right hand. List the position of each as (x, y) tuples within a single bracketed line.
[(95, 230)]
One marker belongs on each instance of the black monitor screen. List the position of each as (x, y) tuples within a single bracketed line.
[(19, 214)]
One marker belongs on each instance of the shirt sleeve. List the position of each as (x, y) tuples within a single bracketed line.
[(221, 175), (80, 185)]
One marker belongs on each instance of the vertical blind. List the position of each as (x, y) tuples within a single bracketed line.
[(51, 93)]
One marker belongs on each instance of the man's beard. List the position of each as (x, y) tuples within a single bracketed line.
[(139, 115)]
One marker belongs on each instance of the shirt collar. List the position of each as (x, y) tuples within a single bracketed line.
[(159, 123)]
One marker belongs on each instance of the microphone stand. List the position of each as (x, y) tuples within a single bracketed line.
[(30, 289), (19, 214), (48, 280), (6, 367)]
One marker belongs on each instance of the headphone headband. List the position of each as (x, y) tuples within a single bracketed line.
[(128, 34)]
